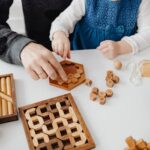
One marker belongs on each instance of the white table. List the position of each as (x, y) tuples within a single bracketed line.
[(127, 113)]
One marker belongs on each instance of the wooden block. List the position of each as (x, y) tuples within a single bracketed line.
[(62, 132), (110, 83), (102, 94), (131, 142), (75, 73), (93, 96), (8, 110), (29, 113), (43, 146), (109, 93), (116, 79), (36, 122), (68, 142), (40, 138), (56, 144), (88, 82), (0, 101), (141, 144), (102, 100), (95, 90), (148, 146), (42, 110), (58, 121), (117, 64), (75, 127), (79, 138), (49, 129), (43, 133), (4, 102), (145, 68)]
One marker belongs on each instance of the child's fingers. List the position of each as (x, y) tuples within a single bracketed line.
[(103, 46), (105, 50), (67, 50), (61, 49), (69, 54), (65, 53)]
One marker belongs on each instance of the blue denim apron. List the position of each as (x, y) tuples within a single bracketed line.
[(105, 20)]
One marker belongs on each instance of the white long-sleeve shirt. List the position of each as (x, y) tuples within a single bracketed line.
[(67, 20)]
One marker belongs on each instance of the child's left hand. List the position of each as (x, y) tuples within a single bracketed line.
[(111, 49)]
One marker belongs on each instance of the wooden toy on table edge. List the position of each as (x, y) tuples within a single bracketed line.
[(89, 143), (8, 109), (136, 145), (145, 68), (76, 75)]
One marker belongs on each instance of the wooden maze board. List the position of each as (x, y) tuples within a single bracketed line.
[(8, 109), (75, 73), (55, 124)]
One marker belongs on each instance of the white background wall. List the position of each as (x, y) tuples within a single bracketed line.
[(16, 19)]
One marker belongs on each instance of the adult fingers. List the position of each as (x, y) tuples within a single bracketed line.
[(39, 71), (50, 71), (57, 66), (32, 74)]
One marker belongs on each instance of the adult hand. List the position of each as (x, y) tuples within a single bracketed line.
[(61, 44), (40, 63)]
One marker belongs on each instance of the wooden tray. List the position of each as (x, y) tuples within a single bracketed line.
[(8, 109), (76, 76), (55, 124)]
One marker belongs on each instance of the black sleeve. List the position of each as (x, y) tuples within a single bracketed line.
[(11, 43)]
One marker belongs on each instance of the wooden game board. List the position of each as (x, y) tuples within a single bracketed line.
[(8, 110), (55, 124), (75, 73)]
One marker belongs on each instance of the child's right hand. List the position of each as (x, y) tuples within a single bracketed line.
[(61, 44)]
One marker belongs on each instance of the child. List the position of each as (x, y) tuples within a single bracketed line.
[(114, 27)]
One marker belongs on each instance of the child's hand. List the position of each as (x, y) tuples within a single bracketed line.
[(61, 44), (111, 49)]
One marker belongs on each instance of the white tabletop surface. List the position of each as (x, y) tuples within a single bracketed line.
[(126, 113)]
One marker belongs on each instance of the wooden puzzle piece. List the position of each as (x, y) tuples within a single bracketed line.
[(66, 131), (49, 128), (79, 138), (117, 64), (102, 100), (60, 121), (95, 90), (115, 79), (68, 142), (62, 132), (141, 144), (110, 83), (145, 68), (75, 127), (109, 93), (75, 73), (137, 145), (88, 82), (29, 113), (52, 107), (40, 138), (43, 146), (56, 144), (93, 96), (42, 111), (36, 122)]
